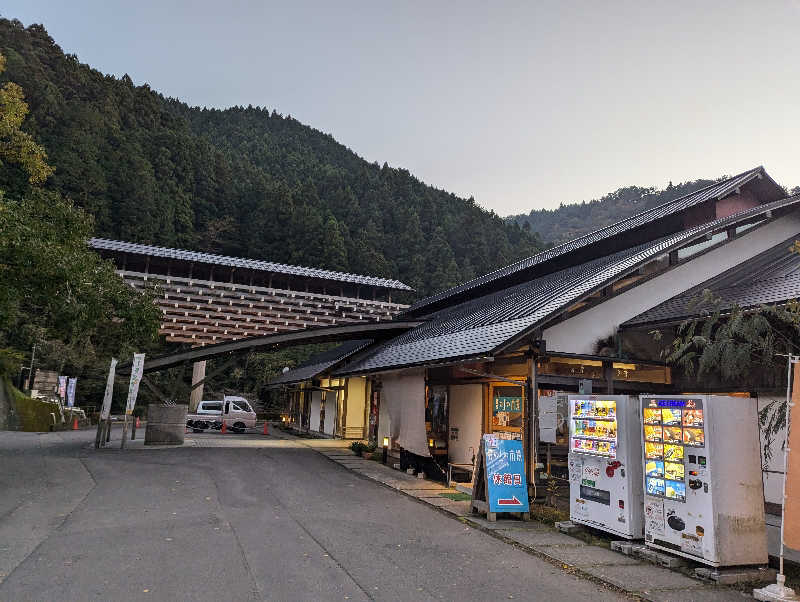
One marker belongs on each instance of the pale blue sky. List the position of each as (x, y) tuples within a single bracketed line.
[(521, 104)]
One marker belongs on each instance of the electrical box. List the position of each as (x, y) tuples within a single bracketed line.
[(553, 416), (702, 478), (605, 468)]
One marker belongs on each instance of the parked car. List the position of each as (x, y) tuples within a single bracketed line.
[(236, 412)]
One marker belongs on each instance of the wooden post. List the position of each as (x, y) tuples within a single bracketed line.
[(124, 430), (98, 439), (608, 374)]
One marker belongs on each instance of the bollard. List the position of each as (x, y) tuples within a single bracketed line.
[(266, 428)]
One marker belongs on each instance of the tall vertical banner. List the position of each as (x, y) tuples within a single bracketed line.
[(137, 369), (106, 409), (71, 391), (791, 500), (62, 387)]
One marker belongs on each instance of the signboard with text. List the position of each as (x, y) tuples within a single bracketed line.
[(507, 489), (137, 369)]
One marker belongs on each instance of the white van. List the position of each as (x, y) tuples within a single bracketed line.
[(235, 411)]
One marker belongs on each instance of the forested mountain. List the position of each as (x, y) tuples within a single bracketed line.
[(571, 220), (241, 181)]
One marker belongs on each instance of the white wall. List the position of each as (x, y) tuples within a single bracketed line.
[(330, 412), (466, 414), (402, 410), (316, 401), (579, 333)]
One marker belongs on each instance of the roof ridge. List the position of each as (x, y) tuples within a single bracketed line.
[(554, 251), (263, 264)]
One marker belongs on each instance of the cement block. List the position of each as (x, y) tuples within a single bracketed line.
[(733, 576), (568, 527), (537, 538), (585, 555), (623, 547), (642, 577)]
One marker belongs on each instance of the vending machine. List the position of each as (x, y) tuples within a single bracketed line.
[(605, 469), (702, 478)]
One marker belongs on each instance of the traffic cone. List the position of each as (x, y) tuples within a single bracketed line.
[(75, 425), (266, 428), (224, 430), (138, 424)]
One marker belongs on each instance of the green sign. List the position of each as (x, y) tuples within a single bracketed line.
[(507, 404)]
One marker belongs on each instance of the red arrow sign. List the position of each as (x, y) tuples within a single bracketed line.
[(512, 502)]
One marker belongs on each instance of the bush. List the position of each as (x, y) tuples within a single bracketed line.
[(358, 447)]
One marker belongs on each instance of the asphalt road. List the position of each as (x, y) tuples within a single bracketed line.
[(264, 523)]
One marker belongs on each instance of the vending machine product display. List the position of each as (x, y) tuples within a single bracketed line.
[(605, 469), (702, 478)]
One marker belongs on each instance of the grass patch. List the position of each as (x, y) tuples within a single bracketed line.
[(457, 497), (30, 415), (548, 514)]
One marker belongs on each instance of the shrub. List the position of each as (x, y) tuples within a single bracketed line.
[(358, 447)]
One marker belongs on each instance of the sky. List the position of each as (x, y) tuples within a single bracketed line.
[(522, 105)]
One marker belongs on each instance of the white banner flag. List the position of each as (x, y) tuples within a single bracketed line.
[(71, 391), (136, 377), (62, 387), (106, 410)]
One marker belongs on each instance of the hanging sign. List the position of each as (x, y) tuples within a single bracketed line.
[(71, 391), (106, 409), (62, 387), (507, 488), (137, 369)]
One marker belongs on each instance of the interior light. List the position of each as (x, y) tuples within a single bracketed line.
[(386, 441)]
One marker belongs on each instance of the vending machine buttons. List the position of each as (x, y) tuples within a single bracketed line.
[(692, 459), (701, 460)]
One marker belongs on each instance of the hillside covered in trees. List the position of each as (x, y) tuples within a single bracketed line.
[(571, 220), (242, 181)]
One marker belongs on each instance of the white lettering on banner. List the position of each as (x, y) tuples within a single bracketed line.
[(106, 409), (71, 384), (137, 369)]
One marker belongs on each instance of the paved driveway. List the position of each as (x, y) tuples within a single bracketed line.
[(273, 521)]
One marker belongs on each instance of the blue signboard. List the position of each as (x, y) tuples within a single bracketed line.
[(506, 485)]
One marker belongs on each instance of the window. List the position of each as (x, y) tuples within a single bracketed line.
[(214, 406)]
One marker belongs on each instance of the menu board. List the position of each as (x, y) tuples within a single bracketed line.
[(593, 428), (669, 426)]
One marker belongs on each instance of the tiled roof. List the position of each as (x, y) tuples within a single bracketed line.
[(494, 321), (714, 191), (238, 262), (320, 362), (771, 277)]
